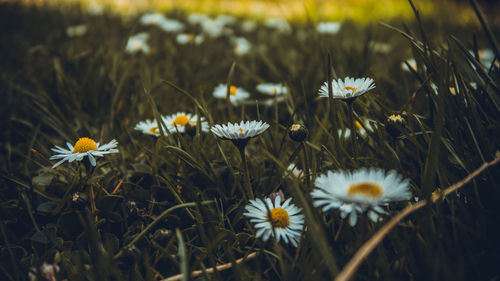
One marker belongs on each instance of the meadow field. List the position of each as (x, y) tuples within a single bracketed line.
[(217, 143)]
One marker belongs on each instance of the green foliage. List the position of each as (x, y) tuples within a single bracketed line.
[(57, 88)]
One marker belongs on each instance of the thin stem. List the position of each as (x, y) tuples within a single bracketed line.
[(353, 130), (245, 171), (306, 167)]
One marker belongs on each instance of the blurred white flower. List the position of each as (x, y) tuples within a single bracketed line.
[(185, 38), (272, 89), (148, 127), (279, 24), (236, 95), (137, 43), (212, 28), (197, 18), (380, 47), (158, 19), (412, 62), (225, 19), (76, 30), (95, 9), (241, 45), (360, 128), (152, 19), (170, 25), (330, 27), (248, 26)]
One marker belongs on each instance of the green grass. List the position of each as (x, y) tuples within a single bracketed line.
[(56, 89)]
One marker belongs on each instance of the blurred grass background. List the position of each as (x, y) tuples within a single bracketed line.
[(362, 11), (56, 88)]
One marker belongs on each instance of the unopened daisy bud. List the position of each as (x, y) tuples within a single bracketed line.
[(162, 236), (190, 129), (394, 124), (129, 256), (298, 132), (79, 200)]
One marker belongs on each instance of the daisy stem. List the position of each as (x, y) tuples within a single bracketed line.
[(245, 171), (353, 130), (306, 166)]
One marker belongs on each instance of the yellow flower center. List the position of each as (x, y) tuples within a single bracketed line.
[(241, 130), (155, 130), (136, 45), (274, 90), (180, 120), (353, 89), (84, 145), (232, 90), (280, 218), (365, 188), (358, 125)]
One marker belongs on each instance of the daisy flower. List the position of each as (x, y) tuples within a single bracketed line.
[(169, 25), (347, 89), (271, 218), (162, 22), (242, 131), (83, 147), (280, 25), (248, 26), (293, 170), (178, 121), (148, 127), (137, 43), (212, 28), (185, 38), (152, 19), (364, 190), (380, 47), (95, 9), (272, 89), (412, 62), (225, 19), (236, 95), (196, 18), (330, 27), (241, 45), (360, 128), (76, 30)]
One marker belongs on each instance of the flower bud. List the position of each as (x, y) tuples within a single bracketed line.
[(162, 236), (394, 124), (298, 132), (79, 200)]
